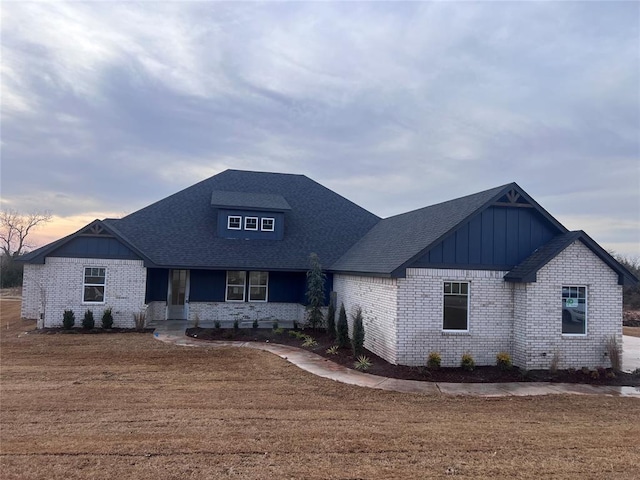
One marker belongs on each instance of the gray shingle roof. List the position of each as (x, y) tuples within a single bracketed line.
[(180, 230), (249, 201), (527, 270), (397, 240)]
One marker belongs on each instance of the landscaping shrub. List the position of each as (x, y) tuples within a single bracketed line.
[(88, 322), (342, 331), (236, 325), (331, 320), (434, 360), (333, 350), (614, 352), (362, 363), (315, 292), (467, 362), (309, 341), (68, 319), (275, 324), (255, 325), (503, 361), (107, 319), (140, 319), (357, 342)]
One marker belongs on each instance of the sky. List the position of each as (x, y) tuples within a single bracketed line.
[(107, 107)]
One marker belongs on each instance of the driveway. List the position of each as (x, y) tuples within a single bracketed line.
[(630, 353)]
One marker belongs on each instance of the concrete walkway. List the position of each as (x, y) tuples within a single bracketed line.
[(174, 333)]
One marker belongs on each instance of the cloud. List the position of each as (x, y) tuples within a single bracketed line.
[(396, 105)]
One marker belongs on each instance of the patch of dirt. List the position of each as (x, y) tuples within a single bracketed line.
[(93, 331), (484, 374)]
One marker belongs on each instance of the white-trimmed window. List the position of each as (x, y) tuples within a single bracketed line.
[(234, 222), (456, 307), (267, 224), (574, 310), (236, 282), (251, 223), (258, 284), (93, 284)]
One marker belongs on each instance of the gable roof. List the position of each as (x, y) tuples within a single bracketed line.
[(527, 270), (180, 231), (395, 242), (38, 255)]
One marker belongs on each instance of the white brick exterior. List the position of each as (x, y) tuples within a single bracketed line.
[(421, 305), (56, 286), (247, 312), (403, 317), (538, 324), (378, 298)]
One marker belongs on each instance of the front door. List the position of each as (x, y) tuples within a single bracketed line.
[(178, 298)]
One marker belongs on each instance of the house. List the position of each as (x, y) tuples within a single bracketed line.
[(485, 273)]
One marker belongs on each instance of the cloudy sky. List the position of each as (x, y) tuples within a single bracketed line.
[(107, 107)]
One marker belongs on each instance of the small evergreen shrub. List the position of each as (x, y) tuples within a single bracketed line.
[(503, 361), (107, 319), (255, 325), (295, 325), (68, 319), (275, 324), (216, 324), (331, 320), (357, 342), (88, 322), (342, 331), (434, 360), (236, 325), (362, 363), (467, 362)]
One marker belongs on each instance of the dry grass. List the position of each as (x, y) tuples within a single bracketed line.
[(631, 331), (127, 406)]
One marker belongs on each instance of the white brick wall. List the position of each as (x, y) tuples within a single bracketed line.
[(538, 322), (57, 286), (420, 313), (247, 312), (378, 299)]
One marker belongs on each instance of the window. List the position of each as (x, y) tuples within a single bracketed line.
[(268, 224), (234, 222), (94, 281), (251, 223), (574, 310), (235, 286), (456, 306), (258, 282)]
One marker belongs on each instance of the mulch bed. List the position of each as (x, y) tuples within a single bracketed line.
[(381, 367)]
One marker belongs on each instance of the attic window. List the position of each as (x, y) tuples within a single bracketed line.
[(267, 224), (234, 222), (251, 223)]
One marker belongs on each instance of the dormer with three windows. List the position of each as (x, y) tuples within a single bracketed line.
[(250, 216)]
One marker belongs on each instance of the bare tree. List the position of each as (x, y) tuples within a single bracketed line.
[(15, 227)]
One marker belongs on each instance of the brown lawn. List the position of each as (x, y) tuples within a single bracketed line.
[(632, 331), (125, 406)]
